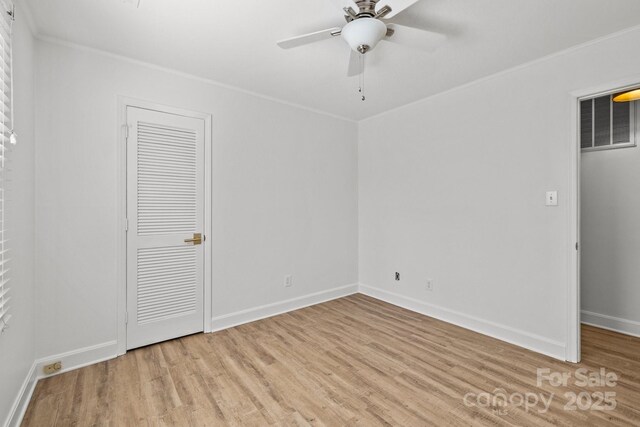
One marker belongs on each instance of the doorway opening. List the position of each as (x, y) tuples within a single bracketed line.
[(607, 209)]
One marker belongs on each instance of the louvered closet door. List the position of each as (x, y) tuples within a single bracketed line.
[(165, 207)]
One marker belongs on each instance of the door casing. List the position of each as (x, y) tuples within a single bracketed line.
[(573, 342), (121, 309)]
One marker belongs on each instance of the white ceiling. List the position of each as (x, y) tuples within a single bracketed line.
[(233, 42)]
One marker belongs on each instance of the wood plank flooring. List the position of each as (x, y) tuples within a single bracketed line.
[(354, 361)]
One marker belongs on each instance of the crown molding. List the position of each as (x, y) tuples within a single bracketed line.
[(507, 71), (81, 47)]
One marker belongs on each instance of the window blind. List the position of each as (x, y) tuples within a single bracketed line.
[(606, 124), (7, 137)]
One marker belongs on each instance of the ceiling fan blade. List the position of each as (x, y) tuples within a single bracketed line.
[(415, 38), (309, 38), (342, 4), (354, 64), (396, 6)]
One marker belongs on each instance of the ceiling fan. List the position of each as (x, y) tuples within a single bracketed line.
[(366, 27)]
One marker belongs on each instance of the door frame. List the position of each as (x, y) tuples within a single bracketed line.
[(121, 310), (573, 344)]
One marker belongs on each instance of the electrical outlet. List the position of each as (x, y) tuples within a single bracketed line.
[(397, 276), (52, 368), (288, 281), (429, 286)]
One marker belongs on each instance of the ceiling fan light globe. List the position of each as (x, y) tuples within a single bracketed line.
[(364, 32)]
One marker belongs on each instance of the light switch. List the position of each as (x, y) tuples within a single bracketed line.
[(552, 198)]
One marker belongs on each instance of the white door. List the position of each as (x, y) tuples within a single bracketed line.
[(165, 214)]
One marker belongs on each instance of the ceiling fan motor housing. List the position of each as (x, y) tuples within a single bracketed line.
[(363, 34), (366, 8)]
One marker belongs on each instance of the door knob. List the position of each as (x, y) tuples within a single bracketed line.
[(196, 240)]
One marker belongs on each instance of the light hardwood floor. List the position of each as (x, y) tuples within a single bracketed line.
[(351, 361)]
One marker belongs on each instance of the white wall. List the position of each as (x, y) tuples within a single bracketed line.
[(610, 233), (284, 193), (17, 342), (452, 188)]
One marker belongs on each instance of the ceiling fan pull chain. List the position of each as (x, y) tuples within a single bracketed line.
[(362, 66), (360, 74)]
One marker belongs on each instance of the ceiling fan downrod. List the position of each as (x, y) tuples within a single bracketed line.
[(366, 9)]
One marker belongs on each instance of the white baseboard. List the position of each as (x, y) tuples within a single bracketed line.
[(511, 335), (79, 358), (250, 315), (70, 360), (616, 324), (21, 403), (94, 354)]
